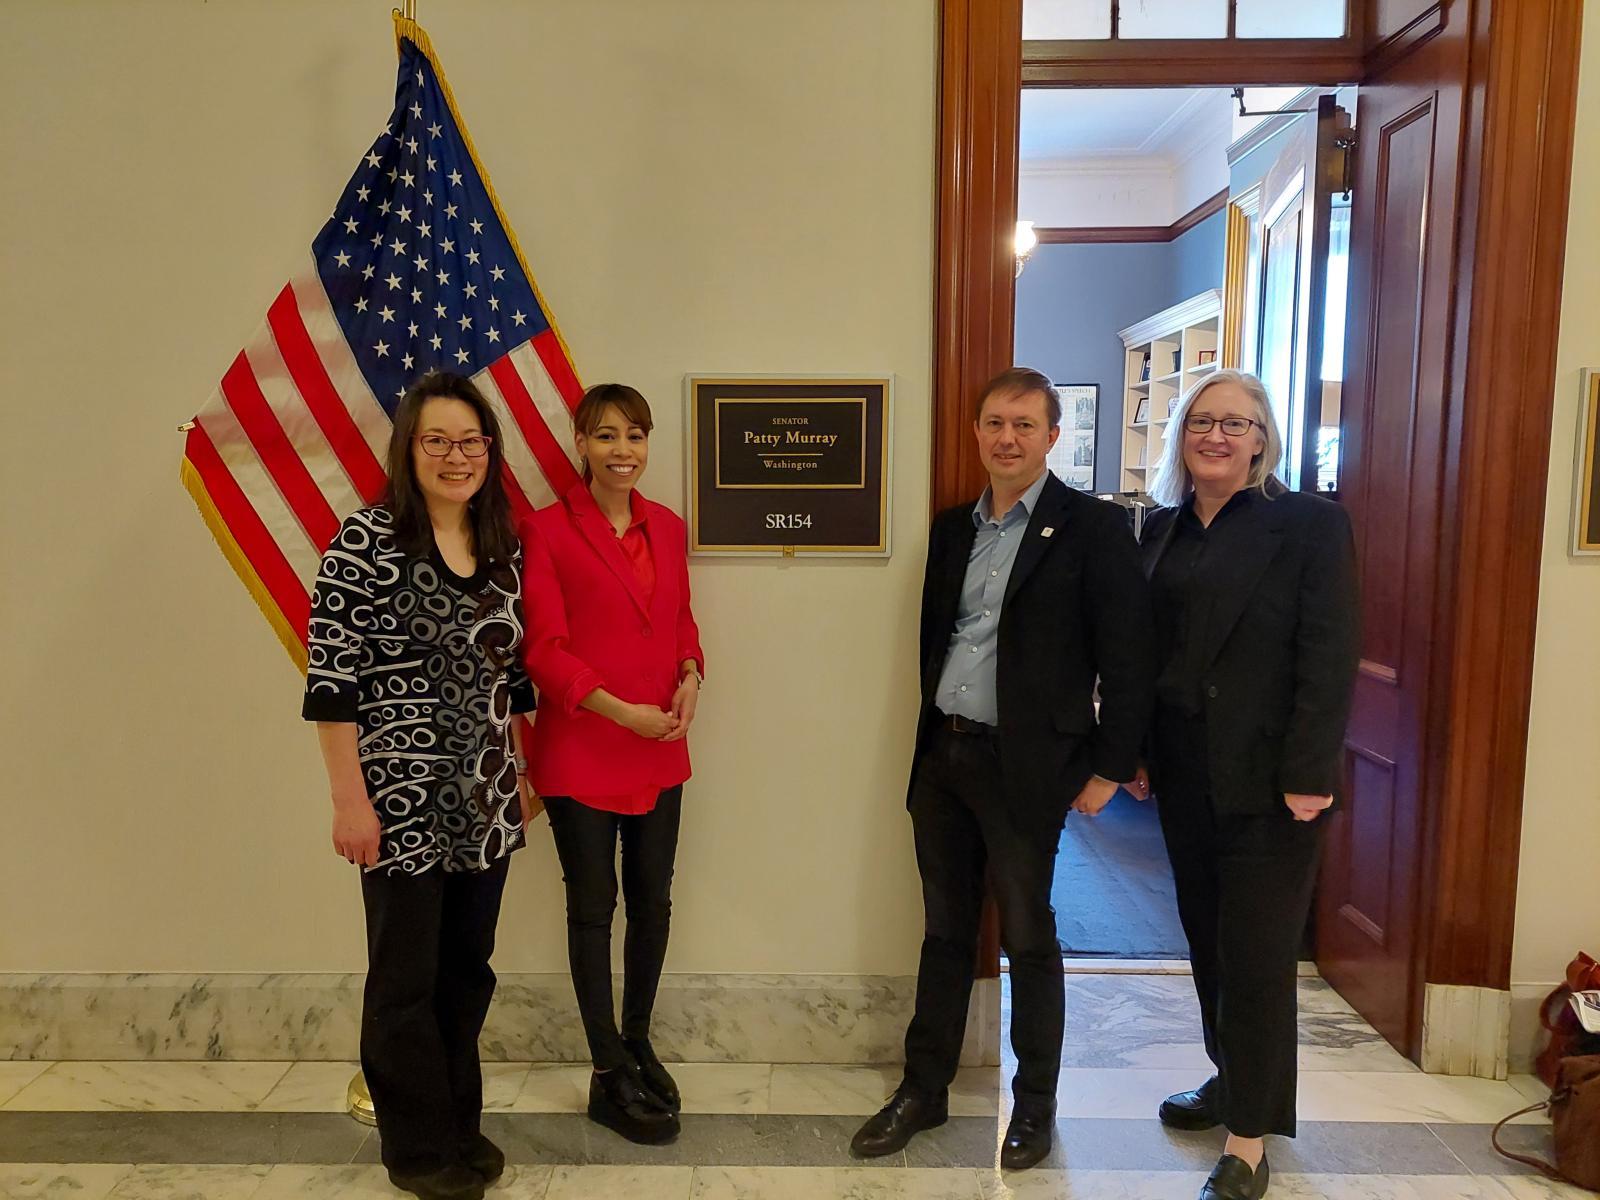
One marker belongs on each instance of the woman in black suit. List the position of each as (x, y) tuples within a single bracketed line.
[(1255, 599)]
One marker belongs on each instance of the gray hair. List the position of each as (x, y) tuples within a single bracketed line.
[(1173, 483)]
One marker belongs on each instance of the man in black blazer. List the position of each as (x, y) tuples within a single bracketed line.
[(1032, 594)]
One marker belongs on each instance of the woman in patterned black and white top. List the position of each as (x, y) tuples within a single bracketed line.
[(415, 674)]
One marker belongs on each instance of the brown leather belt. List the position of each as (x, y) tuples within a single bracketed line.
[(967, 726)]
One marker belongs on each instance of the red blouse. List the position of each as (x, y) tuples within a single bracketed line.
[(636, 545), (604, 611), (635, 542)]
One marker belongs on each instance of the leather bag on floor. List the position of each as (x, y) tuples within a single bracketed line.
[(1575, 1122), (1560, 1022)]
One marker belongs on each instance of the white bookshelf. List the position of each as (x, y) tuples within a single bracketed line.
[(1173, 340)]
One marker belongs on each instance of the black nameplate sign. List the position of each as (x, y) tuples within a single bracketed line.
[(788, 466)]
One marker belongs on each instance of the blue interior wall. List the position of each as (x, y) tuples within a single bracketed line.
[(1072, 300), (1197, 257)]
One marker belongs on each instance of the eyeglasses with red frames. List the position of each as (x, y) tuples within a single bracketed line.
[(436, 445)]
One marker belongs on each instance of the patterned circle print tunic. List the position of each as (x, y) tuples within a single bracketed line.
[(428, 665)]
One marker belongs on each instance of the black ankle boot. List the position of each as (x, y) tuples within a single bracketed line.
[(652, 1074), (619, 1101)]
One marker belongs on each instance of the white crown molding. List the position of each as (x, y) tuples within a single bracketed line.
[(1197, 308), (1210, 139), (1167, 139), (1141, 165)]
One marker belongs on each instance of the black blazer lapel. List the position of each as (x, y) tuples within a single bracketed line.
[(1044, 525), (948, 551), (1249, 542), (1154, 547), (953, 567)]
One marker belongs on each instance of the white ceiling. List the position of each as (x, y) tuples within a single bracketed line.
[(1076, 123)]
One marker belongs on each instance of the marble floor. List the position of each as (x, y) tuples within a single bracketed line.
[(1372, 1126)]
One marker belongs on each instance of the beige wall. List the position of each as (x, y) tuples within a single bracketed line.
[(1556, 893), (701, 185)]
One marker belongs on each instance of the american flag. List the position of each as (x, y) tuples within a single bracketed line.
[(416, 269)]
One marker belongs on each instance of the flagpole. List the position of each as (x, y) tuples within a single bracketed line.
[(357, 1097)]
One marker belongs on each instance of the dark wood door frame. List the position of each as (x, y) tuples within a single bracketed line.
[(1518, 83), (980, 105), (1520, 95)]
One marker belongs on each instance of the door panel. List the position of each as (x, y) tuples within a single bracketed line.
[(1393, 414)]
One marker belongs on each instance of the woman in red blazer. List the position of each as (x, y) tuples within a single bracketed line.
[(613, 648)]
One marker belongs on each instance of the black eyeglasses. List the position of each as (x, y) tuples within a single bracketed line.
[(437, 445), (1232, 426)]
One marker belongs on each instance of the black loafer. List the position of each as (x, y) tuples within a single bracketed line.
[(1232, 1179), (1028, 1138), (1194, 1110), (906, 1114), (454, 1182), (653, 1074), (620, 1102), (484, 1157)]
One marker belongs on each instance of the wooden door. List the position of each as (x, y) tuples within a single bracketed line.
[(1369, 918)]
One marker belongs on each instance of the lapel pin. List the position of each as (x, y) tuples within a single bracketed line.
[(1047, 531)]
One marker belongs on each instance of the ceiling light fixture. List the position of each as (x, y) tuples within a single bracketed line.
[(1024, 243)]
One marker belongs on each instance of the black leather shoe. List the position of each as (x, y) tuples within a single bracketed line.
[(1192, 1110), (454, 1182), (1232, 1179), (1028, 1138), (652, 1074), (620, 1102), (906, 1114), (484, 1157)]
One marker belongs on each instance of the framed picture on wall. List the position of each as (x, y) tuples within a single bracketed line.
[(1072, 457), (1586, 470)]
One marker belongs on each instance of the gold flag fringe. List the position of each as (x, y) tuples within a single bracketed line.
[(195, 486)]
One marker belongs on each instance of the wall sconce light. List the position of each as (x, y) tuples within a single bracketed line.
[(1025, 242)]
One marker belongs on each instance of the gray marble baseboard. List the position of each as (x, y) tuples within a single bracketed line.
[(698, 1018)]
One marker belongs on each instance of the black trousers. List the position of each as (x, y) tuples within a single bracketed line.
[(429, 938), (1244, 884), (961, 826), (586, 842)]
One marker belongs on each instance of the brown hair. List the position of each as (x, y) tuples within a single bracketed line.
[(489, 511), (1016, 380), (635, 409)]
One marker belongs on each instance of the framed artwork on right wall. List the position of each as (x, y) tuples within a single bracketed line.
[(1586, 470)]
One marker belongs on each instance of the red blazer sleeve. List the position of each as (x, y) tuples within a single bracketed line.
[(688, 631), (559, 674)]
